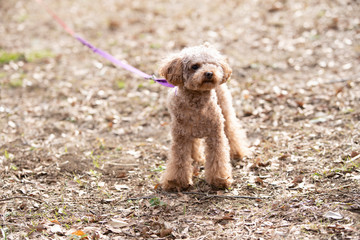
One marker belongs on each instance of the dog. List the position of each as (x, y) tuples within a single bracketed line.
[(201, 108)]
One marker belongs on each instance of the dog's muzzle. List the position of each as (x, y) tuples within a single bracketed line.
[(208, 77)]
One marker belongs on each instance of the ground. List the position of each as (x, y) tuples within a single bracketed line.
[(83, 143)]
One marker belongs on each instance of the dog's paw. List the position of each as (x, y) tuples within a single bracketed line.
[(241, 153), (220, 182), (175, 186)]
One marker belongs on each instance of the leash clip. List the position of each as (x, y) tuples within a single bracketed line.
[(153, 77)]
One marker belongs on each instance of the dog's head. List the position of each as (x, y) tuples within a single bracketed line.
[(197, 68)]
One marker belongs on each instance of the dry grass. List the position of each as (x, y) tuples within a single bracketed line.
[(82, 143)]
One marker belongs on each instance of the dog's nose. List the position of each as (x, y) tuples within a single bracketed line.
[(209, 75)]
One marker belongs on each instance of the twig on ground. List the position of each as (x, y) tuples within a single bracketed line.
[(224, 196), (353, 79), (202, 194), (140, 198), (27, 197)]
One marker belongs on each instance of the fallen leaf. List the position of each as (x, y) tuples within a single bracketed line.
[(300, 104), (284, 157), (228, 216), (254, 167), (56, 229), (80, 234), (258, 180), (341, 227), (121, 175), (338, 90), (108, 200), (298, 179), (333, 215), (144, 232), (40, 228), (114, 229), (258, 163), (55, 221), (121, 187), (134, 153), (354, 154), (118, 223), (264, 164), (165, 232)]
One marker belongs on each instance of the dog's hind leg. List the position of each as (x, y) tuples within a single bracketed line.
[(197, 154)]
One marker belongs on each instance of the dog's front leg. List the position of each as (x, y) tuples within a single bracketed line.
[(179, 169), (217, 165)]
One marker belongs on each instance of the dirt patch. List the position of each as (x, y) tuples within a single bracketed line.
[(83, 143)]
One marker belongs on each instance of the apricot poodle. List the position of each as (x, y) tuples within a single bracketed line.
[(201, 107)]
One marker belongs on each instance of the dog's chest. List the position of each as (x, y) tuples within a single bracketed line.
[(197, 117)]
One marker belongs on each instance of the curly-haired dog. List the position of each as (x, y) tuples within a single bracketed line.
[(201, 107)]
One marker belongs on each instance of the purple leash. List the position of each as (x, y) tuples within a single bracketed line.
[(122, 64)]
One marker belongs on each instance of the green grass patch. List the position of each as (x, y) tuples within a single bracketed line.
[(155, 45), (32, 56), (6, 154), (16, 83), (38, 55), (156, 202), (2, 74), (160, 168), (13, 167), (22, 18), (6, 57), (120, 84)]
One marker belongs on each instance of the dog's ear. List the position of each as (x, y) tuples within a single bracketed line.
[(226, 70), (172, 71)]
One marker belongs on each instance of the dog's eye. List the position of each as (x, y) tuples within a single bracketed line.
[(195, 66)]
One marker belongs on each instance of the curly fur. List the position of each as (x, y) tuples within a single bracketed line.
[(201, 108)]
